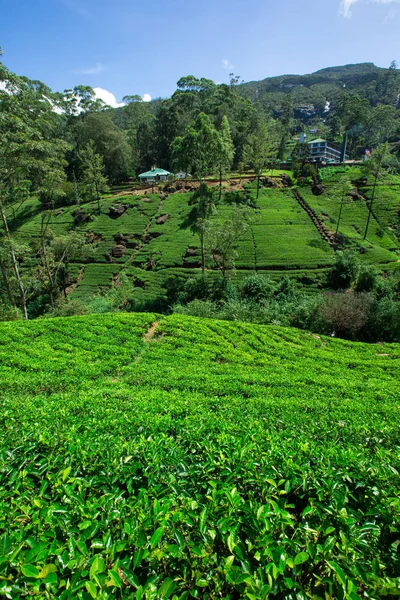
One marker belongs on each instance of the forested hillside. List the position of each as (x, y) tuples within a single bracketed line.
[(80, 233)]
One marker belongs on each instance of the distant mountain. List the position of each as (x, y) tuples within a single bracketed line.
[(325, 85)]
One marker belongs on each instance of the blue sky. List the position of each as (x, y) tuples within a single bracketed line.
[(138, 47)]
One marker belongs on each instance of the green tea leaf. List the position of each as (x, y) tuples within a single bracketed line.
[(91, 588), (46, 570), (98, 566), (301, 558), (30, 571), (167, 588), (156, 537)]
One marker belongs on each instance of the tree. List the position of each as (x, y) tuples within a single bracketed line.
[(200, 216), (31, 153), (343, 189), (198, 147), (222, 238), (93, 174), (55, 254), (374, 166), (109, 142), (225, 151), (260, 149)]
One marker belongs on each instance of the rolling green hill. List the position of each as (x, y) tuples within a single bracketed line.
[(152, 243), (365, 79), (172, 457)]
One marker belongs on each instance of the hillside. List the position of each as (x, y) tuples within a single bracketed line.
[(169, 457), (152, 242), (324, 85)]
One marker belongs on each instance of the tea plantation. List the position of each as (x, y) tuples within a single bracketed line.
[(151, 242), (172, 457)]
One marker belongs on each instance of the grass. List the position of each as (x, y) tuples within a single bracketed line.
[(172, 457)]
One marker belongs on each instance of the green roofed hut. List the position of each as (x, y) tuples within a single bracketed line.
[(154, 175)]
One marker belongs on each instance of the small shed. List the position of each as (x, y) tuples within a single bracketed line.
[(154, 175), (182, 175)]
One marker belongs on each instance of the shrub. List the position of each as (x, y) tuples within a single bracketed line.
[(345, 313), (197, 308), (383, 322), (344, 271), (286, 289), (367, 279), (100, 305), (67, 308), (257, 287)]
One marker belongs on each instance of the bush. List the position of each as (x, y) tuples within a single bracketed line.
[(197, 308), (7, 313), (367, 279), (100, 305), (345, 270), (67, 308), (383, 322), (345, 313), (258, 288), (286, 289)]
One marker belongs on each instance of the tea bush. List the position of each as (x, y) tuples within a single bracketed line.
[(174, 457)]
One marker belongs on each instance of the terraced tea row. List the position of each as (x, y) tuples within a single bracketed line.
[(155, 457)]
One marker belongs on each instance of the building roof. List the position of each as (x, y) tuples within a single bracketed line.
[(154, 173), (317, 141)]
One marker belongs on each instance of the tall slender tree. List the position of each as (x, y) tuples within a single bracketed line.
[(93, 178), (225, 151), (260, 149)]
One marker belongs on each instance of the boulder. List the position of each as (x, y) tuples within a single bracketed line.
[(122, 238), (81, 217), (317, 189), (118, 251), (117, 210), (355, 194), (287, 181), (268, 182), (163, 219)]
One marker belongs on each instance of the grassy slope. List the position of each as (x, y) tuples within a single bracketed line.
[(225, 460), (282, 238)]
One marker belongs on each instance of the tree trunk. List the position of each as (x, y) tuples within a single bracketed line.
[(98, 200), (76, 192), (370, 206), (7, 285), (258, 184), (48, 271), (340, 214), (203, 254), (220, 184), (14, 263)]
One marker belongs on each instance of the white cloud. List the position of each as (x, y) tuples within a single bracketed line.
[(146, 98), (345, 8), (227, 65), (97, 68), (107, 97), (346, 5)]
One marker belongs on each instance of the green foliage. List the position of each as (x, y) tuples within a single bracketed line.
[(94, 181), (257, 287), (214, 459), (344, 271)]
